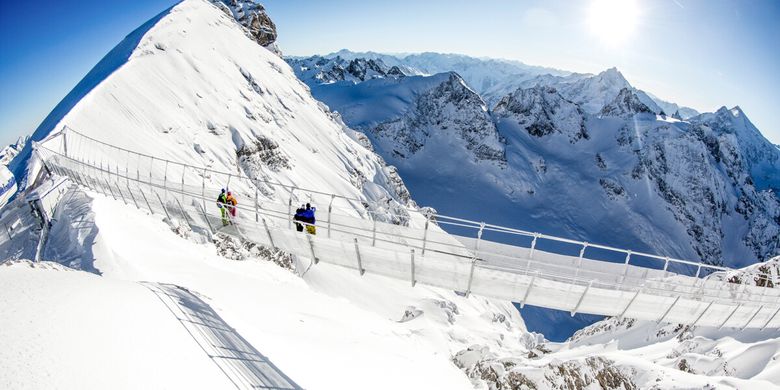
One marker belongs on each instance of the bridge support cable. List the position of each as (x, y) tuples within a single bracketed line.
[(429, 255)]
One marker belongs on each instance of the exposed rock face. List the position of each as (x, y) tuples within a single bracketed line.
[(452, 110), (626, 104), (543, 111), (254, 18), (487, 370)]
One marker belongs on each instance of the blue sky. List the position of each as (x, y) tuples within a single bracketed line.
[(704, 54)]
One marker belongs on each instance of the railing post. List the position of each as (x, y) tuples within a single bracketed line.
[(124, 200), (771, 318), (289, 209), (730, 315), (65, 140), (412, 257), (132, 196), (582, 298), (533, 246), (471, 277), (330, 209), (109, 188), (311, 247), (147, 202), (666, 266), (761, 307), (625, 309), (165, 181), (359, 260), (163, 206), (257, 206), (373, 234), (206, 217), (425, 234), (663, 317), (702, 314), (528, 291), (203, 189), (268, 232), (625, 268), (184, 213)]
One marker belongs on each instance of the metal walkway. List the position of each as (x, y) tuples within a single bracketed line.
[(529, 268)]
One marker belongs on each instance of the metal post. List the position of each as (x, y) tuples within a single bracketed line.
[(330, 209), (663, 317), (109, 189), (413, 280), (206, 217), (471, 277), (373, 234), (268, 232), (183, 171), (582, 298), (132, 196), (147, 202), (120, 193), (752, 317), (311, 247), (425, 234), (730, 315), (702, 313), (165, 181), (771, 318), (8, 231), (203, 189), (163, 206), (184, 213), (631, 302), (666, 266), (65, 141), (698, 271), (360, 262), (533, 246), (289, 209), (528, 291)]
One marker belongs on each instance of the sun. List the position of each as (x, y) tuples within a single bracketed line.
[(613, 22)]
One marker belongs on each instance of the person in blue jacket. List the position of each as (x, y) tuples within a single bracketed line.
[(308, 217)]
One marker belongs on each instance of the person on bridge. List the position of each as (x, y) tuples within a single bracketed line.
[(231, 203), (299, 218), (308, 216), (222, 204)]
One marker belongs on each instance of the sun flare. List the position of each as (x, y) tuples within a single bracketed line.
[(614, 22)]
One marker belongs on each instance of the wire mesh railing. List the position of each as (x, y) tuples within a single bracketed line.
[(422, 252)]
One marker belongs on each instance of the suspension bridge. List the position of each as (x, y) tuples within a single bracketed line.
[(520, 266)]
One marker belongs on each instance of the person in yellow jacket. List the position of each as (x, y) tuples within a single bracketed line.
[(231, 202)]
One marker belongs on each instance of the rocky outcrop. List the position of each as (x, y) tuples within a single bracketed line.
[(625, 105), (254, 18), (543, 111)]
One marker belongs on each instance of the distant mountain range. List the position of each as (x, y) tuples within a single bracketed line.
[(583, 156)]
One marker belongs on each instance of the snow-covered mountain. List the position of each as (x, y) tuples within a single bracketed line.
[(195, 84), (9, 152), (315, 70), (661, 184)]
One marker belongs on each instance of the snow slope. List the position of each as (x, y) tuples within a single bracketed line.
[(191, 87)]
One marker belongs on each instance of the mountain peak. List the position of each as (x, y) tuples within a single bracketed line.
[(626, 104)]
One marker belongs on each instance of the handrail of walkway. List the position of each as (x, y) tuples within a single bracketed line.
[(486, 270), (478, 227)]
